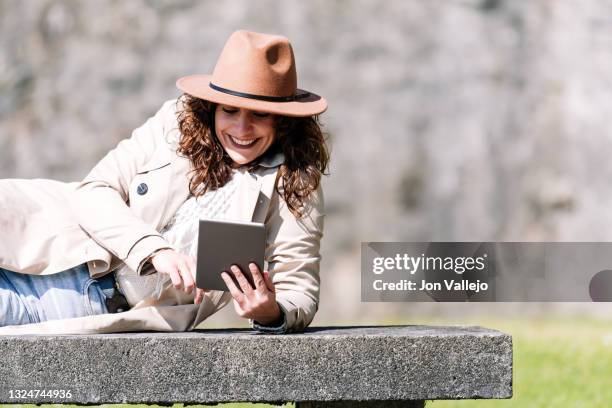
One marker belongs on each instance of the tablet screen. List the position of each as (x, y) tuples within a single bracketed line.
[(224, 243)]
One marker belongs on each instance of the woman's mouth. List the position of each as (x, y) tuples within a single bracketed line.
[(242, 144)]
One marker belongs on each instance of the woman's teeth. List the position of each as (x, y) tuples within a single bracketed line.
[(242, 142)]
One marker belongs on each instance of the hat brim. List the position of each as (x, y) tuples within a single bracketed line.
[(198, 86)]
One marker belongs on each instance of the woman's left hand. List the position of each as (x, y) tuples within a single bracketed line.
[(258, 303)]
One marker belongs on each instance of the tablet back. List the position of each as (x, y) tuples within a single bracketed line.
[(223, 243)]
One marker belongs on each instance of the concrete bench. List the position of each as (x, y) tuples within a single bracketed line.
[(391, 366)]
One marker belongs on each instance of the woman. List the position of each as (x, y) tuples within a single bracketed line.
[(241, 144)]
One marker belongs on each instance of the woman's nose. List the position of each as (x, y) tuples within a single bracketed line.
[(243, 124)]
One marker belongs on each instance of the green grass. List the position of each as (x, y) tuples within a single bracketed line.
[(557, 363)]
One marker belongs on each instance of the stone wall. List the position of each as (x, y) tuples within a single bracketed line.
[(449, 119)]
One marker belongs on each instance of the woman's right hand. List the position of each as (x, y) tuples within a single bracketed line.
[(181, 269)]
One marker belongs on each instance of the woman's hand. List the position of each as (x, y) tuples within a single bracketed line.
[(258, 303), (181, 269)]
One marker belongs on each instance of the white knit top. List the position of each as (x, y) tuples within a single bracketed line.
[(182, 235)]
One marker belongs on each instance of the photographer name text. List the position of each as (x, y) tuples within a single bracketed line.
[(445, 285)]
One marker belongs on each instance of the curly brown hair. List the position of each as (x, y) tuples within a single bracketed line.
[(300, 139)]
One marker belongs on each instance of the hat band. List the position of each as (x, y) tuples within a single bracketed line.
[(260, 97)]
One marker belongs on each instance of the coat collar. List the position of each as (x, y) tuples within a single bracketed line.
[(275, 160)]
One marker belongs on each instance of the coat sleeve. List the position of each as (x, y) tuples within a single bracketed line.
[(101, 200), (294, 258)]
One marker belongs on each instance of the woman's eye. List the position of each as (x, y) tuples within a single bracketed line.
[(261, 114), (229, 110)]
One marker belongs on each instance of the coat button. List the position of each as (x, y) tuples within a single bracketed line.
[(142, 189)]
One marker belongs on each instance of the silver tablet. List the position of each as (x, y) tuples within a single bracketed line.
[(224, 243)]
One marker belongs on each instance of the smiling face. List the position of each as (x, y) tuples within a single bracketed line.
[(244, 134)]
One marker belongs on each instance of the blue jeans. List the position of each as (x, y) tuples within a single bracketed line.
[(32, 298)]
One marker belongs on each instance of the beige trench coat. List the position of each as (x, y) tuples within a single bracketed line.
[(49, 226)]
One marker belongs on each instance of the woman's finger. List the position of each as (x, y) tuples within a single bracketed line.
[(175, 277), (242, 280), (199, 296), (236, 293), (188, 282), (269, 282), (192, 266), (257, 278)]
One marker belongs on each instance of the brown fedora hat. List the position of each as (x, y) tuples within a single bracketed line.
[(255, 71)]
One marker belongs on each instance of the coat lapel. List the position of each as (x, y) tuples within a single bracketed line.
[(253, 196), (177, 186), (256, 193)]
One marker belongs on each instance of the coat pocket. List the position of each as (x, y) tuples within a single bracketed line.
[(153, 165)]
